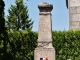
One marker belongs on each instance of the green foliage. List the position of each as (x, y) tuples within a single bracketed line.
[(3, 33), (67, 45), (18, 18), (21, 45), (2, 20)]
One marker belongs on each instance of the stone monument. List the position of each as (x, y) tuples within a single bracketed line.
[(45, 50), (74, 14)]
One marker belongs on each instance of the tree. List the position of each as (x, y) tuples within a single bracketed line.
[(18, 17), (2, 20), (2, 26), (3, 33)]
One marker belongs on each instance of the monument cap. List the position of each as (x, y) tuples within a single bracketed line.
[(45, 7)]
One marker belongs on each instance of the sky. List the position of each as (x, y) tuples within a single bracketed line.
[(60, 14)]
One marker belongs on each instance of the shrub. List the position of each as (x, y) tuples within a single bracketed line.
[(21, 45)]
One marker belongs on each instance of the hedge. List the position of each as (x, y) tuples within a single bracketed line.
[(20, 45), (67, 44)]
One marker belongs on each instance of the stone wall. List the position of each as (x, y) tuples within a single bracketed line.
[(74, 14)]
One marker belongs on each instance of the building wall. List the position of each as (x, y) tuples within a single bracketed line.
[(74, 14)]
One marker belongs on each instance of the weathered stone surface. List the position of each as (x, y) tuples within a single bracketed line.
[(45, 28), (75, 25), (45, 24), (45, 7), (74, 3), (74, 14), (44, 53), (75, 17), (45, 4), (45, 48), (73, 10), (78, 9)]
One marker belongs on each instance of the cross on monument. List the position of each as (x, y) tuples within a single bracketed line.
[(44, 49)]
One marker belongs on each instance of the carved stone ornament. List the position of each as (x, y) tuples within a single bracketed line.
[(45, 7)]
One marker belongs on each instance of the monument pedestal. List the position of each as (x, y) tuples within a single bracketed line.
[(43, 53)]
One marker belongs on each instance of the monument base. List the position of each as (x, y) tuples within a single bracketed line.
[(44, 54)]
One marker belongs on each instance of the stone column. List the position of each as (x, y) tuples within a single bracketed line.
[(74, 14), (45, 48)]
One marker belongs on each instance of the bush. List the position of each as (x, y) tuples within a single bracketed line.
[(21, 45), (67, 45)]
